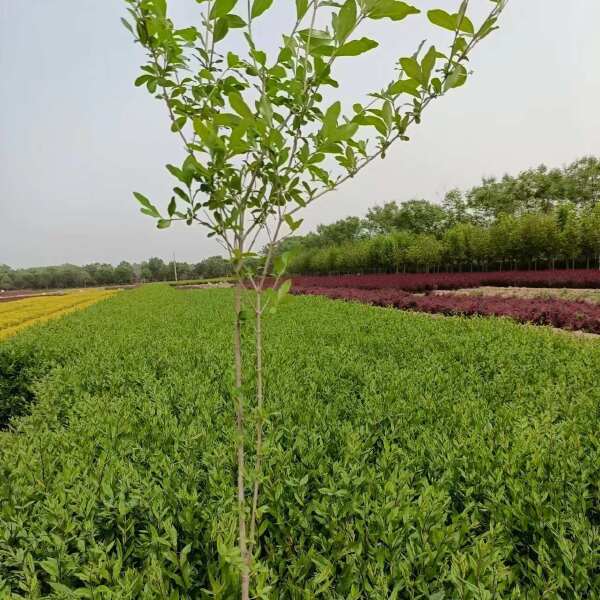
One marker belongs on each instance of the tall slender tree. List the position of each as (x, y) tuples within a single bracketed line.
[(261, 144)]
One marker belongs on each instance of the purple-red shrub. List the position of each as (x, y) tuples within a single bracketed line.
[(422, 282), (384, 297), (573, 315)]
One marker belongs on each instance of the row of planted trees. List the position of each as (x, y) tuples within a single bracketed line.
[(563, 238)]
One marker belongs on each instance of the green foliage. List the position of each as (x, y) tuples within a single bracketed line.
[(260, 141), (406, 457), (19, 368), (565, 235), (539, 217), (539, 189), (416, 216)]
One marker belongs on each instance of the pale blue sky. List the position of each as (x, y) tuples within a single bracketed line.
[(76, 137)]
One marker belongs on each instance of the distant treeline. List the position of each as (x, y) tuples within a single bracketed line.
[(541, 218), (103, 274)]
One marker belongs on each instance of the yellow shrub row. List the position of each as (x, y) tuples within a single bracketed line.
[(19, 314)]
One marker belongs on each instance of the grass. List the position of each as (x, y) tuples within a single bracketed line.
[(407, 457)]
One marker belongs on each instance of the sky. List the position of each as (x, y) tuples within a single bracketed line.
[(77, 138)]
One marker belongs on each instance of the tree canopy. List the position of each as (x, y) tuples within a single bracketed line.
[(537, 218)]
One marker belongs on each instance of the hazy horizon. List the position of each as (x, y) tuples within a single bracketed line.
[(78, 137)]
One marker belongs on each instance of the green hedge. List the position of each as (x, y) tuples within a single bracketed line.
[(407, 457)]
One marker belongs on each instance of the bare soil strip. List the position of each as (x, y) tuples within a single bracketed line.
[(588, 295)]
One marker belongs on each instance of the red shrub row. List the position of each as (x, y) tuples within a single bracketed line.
[(422, 282), (577, 316)]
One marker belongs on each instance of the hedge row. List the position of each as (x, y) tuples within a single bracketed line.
[(421, 282)]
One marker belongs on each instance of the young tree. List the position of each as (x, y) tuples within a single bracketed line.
[(591, 233), (570, 233), (261, 142), (426, 251)]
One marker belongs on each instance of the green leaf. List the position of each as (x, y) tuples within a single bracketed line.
[(259, 7), (405, 86), (488, 26), (235, 22), (226, 120), (178, 124), (452, 22), (346, 20), (283, 289), (266, 110), (441, 18), (344, 132), (172, 207), (301, 8), (221, 8), (427, 64), (191, 166), (148, 207), (161, 8), (373, 121), (293, 225), (142, 79), (314, 35), (51, 567), (411, 67), (232, 60), (457, 77), (241, 108), (259, 56), (221, 29), (127, 25), (331, 116), (207, 135), (392, 9), (163, 223), (388, 113), (189, 34), (356, 47)]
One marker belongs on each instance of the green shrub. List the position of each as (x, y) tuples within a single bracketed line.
[(407, 457)]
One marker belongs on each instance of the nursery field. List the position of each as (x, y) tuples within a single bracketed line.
[(21, 313), (407, 457), (566, 299)]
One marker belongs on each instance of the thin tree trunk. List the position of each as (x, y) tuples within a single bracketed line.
[(240, 442), (259, 419)]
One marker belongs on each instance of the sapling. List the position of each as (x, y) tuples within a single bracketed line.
[(262, 143)]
